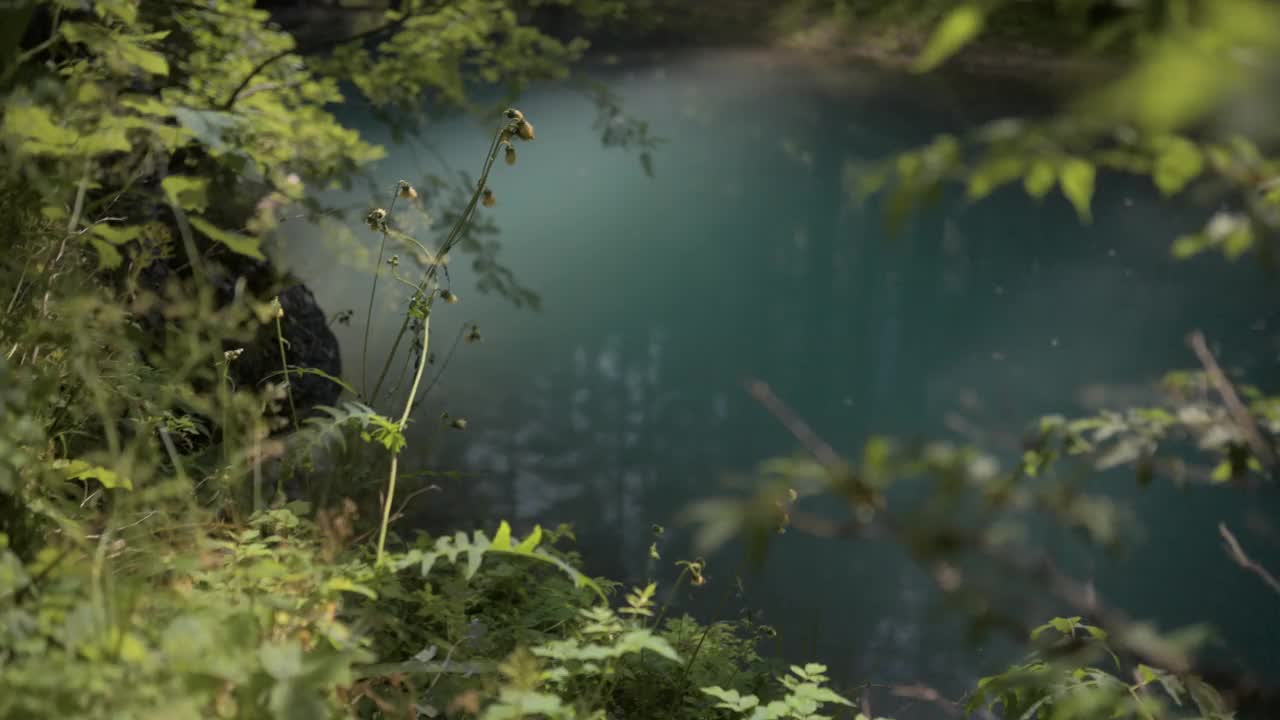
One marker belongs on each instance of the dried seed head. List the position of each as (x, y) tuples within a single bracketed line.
[(487, 198), (511, 155), (377, 219), (514, 114), (525, 130), (233, 354), (448, 296), (406, 190), (458, 424)]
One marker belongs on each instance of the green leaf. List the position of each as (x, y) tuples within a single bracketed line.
[(107, 139), (502, 538), (237, 243), (146, 60), (955, 31), (1189, 246), (1179, 162), (116, 234), (531, 542), (281, 661), (637, 640), (35, 127), (188, 193), (108, 257), (1077, 179), (341, 584), (1221, 473), (82, 470), (1039, 179)]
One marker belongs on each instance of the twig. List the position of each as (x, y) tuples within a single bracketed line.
[(823, 452), (310, 49), (1243, 418), (1037, 568), (1237, 554)]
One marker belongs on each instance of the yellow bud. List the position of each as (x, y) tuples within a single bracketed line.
[(448, 296)]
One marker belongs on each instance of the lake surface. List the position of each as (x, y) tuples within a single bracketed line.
[(621, 401)]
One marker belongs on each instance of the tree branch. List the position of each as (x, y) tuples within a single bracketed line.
[(1239, 412), (1237, 554), (311, 49)]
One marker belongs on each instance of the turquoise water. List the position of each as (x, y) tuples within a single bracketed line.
[(621, 401)]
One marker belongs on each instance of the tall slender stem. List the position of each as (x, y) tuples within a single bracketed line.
[(404, 420), (368, 318), (455, 234), (284, 364), (427, 297)]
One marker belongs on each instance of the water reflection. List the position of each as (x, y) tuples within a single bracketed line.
[(621, 401)]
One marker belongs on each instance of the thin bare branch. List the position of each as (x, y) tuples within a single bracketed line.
[(823, 452), (1238, 555), (1239, 412)]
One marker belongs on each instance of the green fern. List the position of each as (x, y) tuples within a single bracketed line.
[(478, 545)]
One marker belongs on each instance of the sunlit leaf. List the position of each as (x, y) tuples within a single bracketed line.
[(1076, 176), (954, 32), (241, 244)]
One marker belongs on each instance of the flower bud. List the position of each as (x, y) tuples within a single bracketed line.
[(525, 130), (511, 155), (448, 296), (406, 190), (487, 198)]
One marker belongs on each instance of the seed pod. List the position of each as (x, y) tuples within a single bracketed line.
[(487, 198), (511, 155), (525, 130)]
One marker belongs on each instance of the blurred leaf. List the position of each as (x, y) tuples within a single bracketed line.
[(1077, 177), (1039, 179), (955, 31), (1178, 162), (240, 244)]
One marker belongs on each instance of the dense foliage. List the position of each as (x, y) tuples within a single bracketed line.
[(172, 539)]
